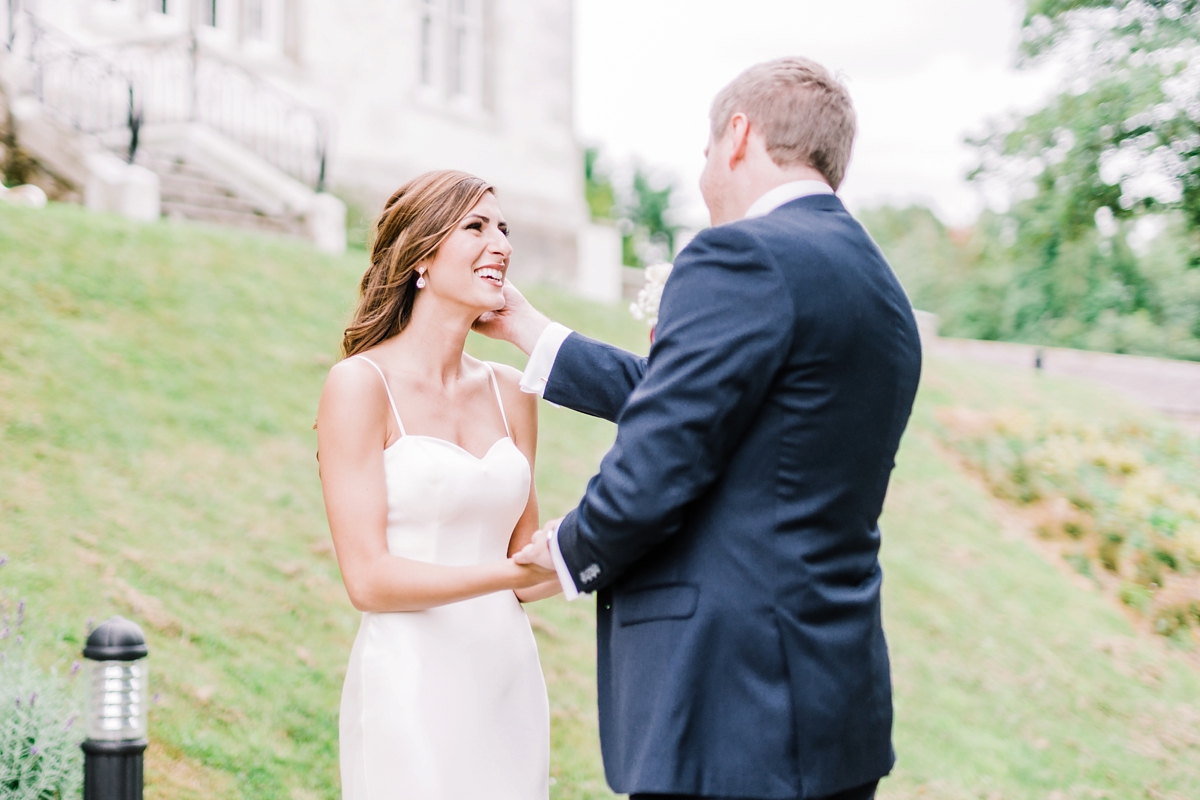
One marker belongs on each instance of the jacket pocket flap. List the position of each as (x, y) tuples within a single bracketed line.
[(677, 601)]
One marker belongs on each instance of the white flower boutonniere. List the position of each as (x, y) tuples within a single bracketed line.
[(646, 306)]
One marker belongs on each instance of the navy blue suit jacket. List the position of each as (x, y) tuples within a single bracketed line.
[(731, 533)]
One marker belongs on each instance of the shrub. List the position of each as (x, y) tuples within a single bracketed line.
[(40, 721), (1124, 496)]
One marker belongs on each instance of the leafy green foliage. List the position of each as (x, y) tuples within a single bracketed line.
[(649, 214), (1123, 498), (1049, 22), (642, 209), (1110, 161), (1015, 277), (598, 187)]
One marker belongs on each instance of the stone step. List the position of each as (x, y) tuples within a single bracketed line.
[(232, 218), (191, 196), (170, 165), (190, 192), (194, 184)]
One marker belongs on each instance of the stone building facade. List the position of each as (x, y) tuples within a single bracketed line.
[(406, 86)]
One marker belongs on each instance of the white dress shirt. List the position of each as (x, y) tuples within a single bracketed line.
[(541, 360)]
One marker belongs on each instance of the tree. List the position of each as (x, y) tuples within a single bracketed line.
[(1126, 135), (653, 235), (642, 210), (1118, 148), (598, 186)]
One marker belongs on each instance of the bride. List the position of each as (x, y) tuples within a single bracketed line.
[(426, 461)]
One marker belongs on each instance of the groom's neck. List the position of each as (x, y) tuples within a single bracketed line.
[(754, 177)]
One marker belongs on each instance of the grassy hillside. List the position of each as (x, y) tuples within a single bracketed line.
[(157, 390)]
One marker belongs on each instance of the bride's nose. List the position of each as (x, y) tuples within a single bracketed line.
[(500, 245)]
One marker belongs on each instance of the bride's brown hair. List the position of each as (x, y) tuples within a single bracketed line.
[(415, 221)]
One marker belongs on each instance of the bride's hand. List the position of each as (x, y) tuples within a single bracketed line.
[(536, 557), (529, 575)]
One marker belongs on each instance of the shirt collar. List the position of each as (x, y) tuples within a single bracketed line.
[(785, 193)]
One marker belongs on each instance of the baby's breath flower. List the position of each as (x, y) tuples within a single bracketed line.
[(645, 308)]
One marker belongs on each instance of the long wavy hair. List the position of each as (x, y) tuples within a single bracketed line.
[(415, 221)]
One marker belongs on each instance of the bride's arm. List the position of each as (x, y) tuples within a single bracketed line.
[(351, 433), (522, 412)]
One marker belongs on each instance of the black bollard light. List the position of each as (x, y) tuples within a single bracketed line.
[(116, 721)]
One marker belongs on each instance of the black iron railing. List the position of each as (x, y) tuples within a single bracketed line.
[(81, 87), (10, 33), (176, 82), (172, 81)]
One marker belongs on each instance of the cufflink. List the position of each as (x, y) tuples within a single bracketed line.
[(590, 574)]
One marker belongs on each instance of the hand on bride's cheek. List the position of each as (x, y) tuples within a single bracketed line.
[(470, 266)]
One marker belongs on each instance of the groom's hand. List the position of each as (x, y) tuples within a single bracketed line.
[(518, 322), (537, 552)]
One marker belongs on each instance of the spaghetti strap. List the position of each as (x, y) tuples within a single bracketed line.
[(392, 402), (499, 402)]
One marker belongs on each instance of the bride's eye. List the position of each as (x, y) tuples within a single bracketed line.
[(475, 226)]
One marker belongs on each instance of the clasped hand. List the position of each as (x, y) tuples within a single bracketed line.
[(537, 552)]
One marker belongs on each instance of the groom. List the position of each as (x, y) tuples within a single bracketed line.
[(731, 535)]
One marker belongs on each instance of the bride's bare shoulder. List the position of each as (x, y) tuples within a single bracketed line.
[(353, 380), (508, 377), (352, 371)]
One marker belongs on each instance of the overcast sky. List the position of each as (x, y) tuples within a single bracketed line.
[(923, 74)]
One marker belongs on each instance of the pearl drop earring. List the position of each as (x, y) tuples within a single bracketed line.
[(420, 280)]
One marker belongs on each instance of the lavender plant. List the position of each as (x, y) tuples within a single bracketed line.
[(40, 724)]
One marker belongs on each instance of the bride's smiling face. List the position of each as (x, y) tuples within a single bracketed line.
[(470, 265)]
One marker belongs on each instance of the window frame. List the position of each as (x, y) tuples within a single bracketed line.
[(452, 53)]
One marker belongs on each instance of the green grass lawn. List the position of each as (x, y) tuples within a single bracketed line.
[(157, 391)]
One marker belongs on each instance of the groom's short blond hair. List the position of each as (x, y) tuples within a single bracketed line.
[(803, 113)]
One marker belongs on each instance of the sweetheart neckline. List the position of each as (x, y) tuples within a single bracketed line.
[(457, 447)]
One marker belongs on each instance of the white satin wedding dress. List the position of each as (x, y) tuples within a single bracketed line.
[(448, 703)]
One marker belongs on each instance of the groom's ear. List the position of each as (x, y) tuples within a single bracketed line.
[(739, 133)]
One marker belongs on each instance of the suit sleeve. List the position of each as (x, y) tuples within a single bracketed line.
[(593, 378), (725, 328)]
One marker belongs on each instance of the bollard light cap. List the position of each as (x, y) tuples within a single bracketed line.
[(118, 639)]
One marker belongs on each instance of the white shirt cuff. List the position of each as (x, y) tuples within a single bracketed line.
[(570, 592), (541, 360)]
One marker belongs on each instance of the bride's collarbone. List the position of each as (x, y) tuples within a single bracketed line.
[(466, 417)]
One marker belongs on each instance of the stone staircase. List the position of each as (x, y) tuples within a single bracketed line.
[(193, 193), (77, 112)]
